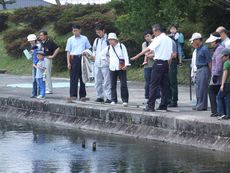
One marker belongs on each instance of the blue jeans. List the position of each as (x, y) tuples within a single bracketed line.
[(223, 101), (41, 87), (34, 89)]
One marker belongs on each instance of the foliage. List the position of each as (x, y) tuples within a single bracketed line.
[(3, 21)]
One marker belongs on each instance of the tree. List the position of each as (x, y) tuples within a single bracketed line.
[(5, 2), (58, 2)]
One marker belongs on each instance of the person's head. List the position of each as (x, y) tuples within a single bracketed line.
[(214, 39), (113, 40), (100, 30), (157, 29), (32, 38), (173, 29), (76, 30), (225, 54), (223, 32), (196, 40), (43, 35), (40, 55), (148, 35)]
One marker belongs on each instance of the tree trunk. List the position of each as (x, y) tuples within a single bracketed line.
[(3, 3), (58, 2)]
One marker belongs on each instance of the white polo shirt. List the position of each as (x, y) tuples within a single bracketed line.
[(162, 47)]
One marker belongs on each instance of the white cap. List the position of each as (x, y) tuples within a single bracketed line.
[(212, 38), (195, 36), (31, 37), (112, 36)]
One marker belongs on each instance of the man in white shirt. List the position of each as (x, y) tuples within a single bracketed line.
[(162, 47), (102, 75), (117, 57)]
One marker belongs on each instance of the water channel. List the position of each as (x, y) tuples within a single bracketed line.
[(40, 149)]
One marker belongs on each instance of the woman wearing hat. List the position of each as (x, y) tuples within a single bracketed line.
[(117, 56), (216, 71), (35, 46), (223, 97)]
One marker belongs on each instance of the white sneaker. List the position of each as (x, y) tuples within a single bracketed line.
[(112, 103), (125, 104), (49, 92), (40, 97)]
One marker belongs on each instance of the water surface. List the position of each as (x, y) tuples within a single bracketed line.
[(41, 149)]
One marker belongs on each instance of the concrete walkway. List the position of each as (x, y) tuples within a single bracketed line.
[(179, 125)]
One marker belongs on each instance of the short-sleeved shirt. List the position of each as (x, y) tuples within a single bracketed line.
[(35, 58), (203, 57), (162, 47), (227, 67), (76, 45), (49, 47), (150, 60), (40, 69)]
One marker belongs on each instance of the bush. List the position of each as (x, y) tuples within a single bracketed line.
[(35, 17), (12, 35), (16, 42), (3, 21), (16, 48), (88, 24)]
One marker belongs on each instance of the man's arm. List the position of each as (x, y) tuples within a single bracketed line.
[(68, 60), (140, 54), (54, 54)]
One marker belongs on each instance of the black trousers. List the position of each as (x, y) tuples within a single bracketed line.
[(173, 92), (123, 84), (213, 91), (75, 75), (159, 77)]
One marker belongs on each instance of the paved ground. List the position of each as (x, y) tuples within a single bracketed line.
[(20, 86)]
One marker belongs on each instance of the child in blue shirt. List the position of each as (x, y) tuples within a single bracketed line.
[(35, 46), (40, 74)]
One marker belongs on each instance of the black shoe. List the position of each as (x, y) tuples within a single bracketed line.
[(173, 105), (33, 96), (148, 109), (108, 101), (162, 109), (214, 115), (99, 100)]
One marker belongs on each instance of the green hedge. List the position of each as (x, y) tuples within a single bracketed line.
[(3, 21)]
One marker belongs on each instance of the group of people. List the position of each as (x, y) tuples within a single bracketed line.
[(162, 52), (216, 63), (43, 50)]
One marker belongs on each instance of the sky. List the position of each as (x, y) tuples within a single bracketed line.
[(79, 1)]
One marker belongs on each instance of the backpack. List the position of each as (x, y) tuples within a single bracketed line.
[(181, 38), (98, 40)]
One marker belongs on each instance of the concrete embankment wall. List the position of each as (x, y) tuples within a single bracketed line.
[(131, 122)]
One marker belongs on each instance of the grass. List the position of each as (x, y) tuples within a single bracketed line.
[(17, 66)]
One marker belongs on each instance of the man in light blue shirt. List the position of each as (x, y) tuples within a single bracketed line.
[(75, 46)]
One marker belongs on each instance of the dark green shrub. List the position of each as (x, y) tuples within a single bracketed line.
[(62, 27), (3, 21), (60, 63), (88, 24), (16, 48), (14, 34)]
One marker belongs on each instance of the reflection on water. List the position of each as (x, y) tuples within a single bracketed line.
[(30, 148)]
